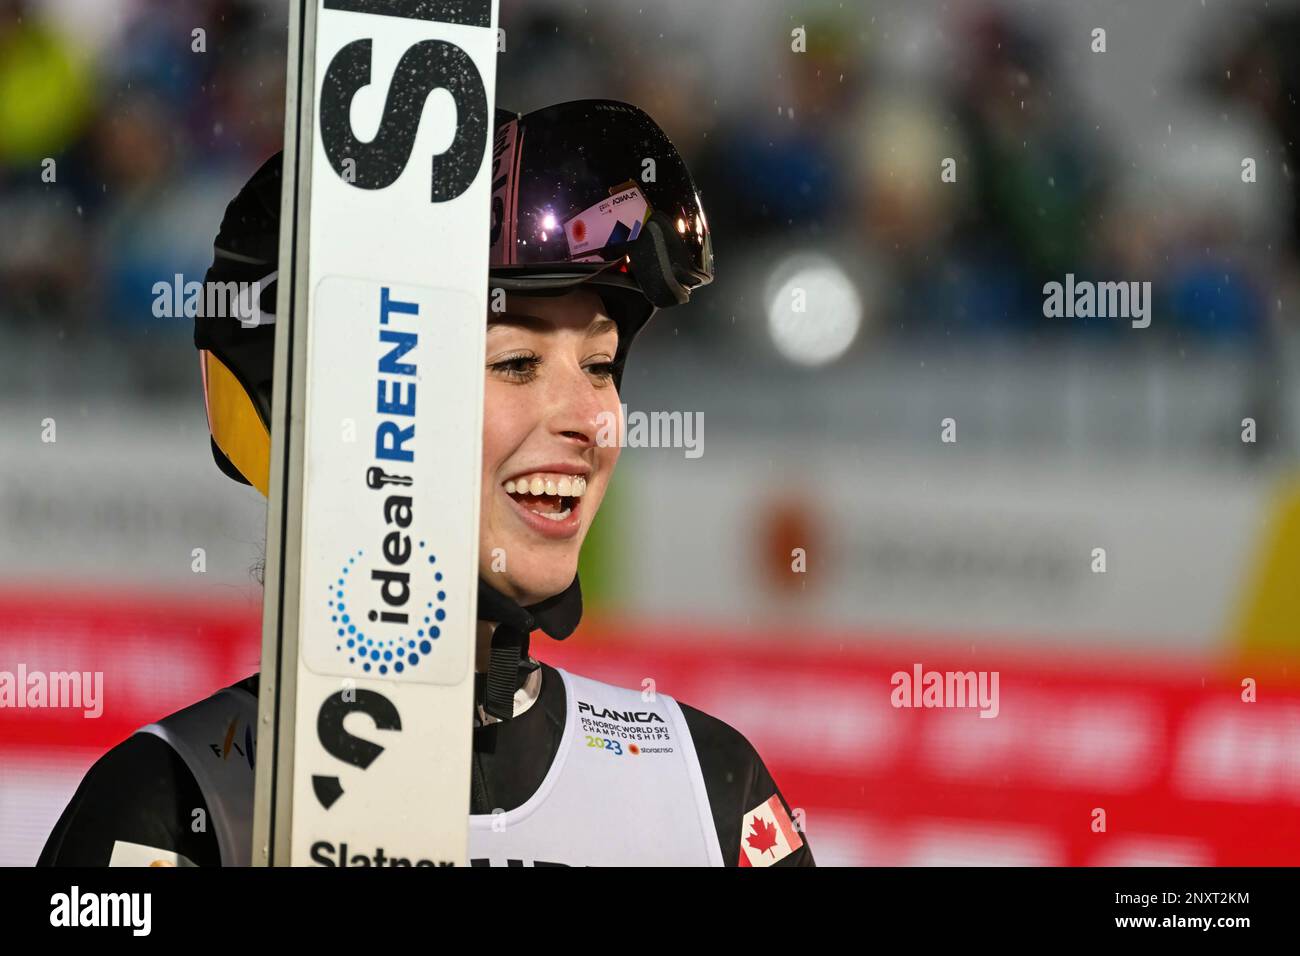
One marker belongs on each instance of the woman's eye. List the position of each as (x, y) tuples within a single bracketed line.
[(602, 370), (519, 367), (523, 368)]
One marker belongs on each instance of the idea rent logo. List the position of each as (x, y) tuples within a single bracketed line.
[(380, 623)]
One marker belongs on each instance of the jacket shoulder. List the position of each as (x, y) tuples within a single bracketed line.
[(746, 802), (138, 797), (141, 799)]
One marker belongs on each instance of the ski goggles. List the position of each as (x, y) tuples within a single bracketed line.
[(593, 190)]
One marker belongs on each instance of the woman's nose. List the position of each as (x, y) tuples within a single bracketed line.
[(578, 406)]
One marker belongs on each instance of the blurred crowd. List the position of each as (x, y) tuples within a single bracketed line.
[(125, 127)]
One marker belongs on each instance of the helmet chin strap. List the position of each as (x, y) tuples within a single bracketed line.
[(557, 616)]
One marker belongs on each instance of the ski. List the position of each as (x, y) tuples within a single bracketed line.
[(372, 523)]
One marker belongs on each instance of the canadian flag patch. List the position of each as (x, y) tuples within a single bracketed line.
[(767, 834)]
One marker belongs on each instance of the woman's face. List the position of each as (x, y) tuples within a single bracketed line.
[(547, 393)]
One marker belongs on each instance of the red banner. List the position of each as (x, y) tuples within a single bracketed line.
[(1105, 759)]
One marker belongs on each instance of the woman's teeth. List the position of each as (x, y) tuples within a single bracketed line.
[(565, 487), (556, 488)]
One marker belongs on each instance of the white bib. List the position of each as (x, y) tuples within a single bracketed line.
[(625, 789)]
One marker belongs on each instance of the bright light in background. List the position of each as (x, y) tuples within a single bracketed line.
[(814, 310)]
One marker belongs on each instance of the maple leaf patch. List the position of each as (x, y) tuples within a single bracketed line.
[(767, 834), (763, 835)]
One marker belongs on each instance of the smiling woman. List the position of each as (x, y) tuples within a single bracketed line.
[(550, 371), (565, 770)]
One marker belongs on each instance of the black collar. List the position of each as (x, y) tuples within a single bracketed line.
[(509, 664)]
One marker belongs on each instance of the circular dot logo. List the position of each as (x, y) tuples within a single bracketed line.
[(397, 649)]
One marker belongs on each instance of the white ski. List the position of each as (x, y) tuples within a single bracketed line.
[(371, 570)]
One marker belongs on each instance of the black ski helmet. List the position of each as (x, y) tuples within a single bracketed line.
[(586, 192)]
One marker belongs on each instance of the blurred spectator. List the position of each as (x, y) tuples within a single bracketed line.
[(1037, 178), (44, 86)]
